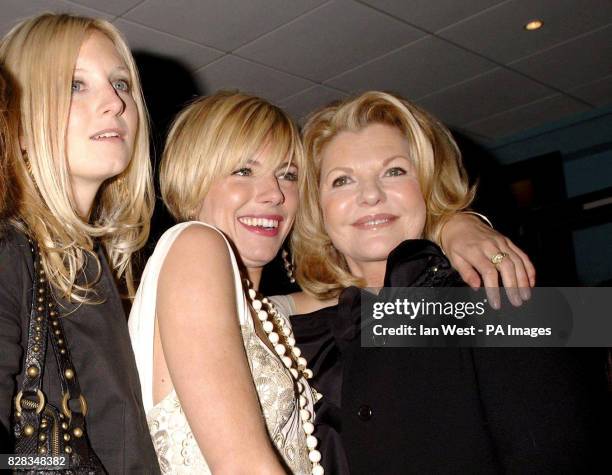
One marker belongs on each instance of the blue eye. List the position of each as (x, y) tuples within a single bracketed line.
[(122, 85), (340, 181), (243, 172), (395, 171), (77, 86)]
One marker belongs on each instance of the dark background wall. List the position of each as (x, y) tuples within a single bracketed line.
[(581, 214)]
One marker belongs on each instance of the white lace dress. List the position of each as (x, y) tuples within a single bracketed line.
[(177, 449)]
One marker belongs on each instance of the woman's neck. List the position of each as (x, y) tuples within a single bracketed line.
[(254, 275), (84, 195), (372, 272)]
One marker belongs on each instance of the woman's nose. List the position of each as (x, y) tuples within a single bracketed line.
[(371, 192), (111, 102), (269, 190)]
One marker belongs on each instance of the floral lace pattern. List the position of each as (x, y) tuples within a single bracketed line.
[(277, 397), (177, 449)]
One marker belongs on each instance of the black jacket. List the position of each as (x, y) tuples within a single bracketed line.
[(451, 410), (99, 343)]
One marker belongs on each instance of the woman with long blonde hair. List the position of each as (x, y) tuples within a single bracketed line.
[(83, 181)]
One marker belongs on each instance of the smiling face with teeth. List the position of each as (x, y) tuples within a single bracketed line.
[(370, 196), (103, 118), (255, 207)]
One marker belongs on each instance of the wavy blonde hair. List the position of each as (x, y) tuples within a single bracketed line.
[(321, 270), (215, 135), (40, 53)]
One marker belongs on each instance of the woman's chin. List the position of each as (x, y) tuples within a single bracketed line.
[(258, 260), (379, 249)]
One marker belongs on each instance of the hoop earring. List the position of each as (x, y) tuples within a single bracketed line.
[(289, 268)]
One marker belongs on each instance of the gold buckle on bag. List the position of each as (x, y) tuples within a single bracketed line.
[(39, 407), (66, 410)]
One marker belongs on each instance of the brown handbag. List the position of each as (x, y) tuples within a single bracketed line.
[(53, 439)]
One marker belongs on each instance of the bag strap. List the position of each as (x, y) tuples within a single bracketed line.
[(44, 325), (71, 390), (36, 350)]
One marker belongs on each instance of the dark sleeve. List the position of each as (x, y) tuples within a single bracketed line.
[(13, 302), (548, 409)]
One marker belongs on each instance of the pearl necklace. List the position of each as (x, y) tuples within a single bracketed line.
[(274, 325)]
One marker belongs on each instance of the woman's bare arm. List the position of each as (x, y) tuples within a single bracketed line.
[(203, 349)]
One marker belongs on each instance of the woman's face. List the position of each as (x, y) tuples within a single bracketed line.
[(369, 192), (103, 117), (255, 207)]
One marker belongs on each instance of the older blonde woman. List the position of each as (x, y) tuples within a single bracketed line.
[(84, 198), (481, 255), (223, 384), (384, 176)]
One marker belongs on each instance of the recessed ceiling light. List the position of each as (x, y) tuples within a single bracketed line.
[(534, 25)]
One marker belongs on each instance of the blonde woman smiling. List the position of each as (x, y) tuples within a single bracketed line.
[(224, 387), (385, 176)]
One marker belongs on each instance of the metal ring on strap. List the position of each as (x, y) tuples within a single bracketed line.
[(41, 401), (66, 410)]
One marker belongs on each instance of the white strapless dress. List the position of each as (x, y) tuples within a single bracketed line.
[(176, 447)]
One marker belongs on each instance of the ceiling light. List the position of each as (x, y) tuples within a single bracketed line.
[(533, 25)]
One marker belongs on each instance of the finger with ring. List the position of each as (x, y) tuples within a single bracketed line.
[(499, 257)]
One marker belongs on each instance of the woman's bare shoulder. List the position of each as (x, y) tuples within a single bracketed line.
[(198, 241), (199, 253)]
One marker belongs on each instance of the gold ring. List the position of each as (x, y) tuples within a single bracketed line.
[(39, 407), (499, 257), (66, 410)]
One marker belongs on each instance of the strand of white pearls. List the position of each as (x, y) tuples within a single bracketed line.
[(292, 358)]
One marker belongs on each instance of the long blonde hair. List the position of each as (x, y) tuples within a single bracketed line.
[(320, 269), (41, 53), (217, 134)]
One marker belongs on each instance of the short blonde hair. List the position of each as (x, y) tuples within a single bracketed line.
[(9, 123), (214, 136), (41, 53), (320, 269)]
